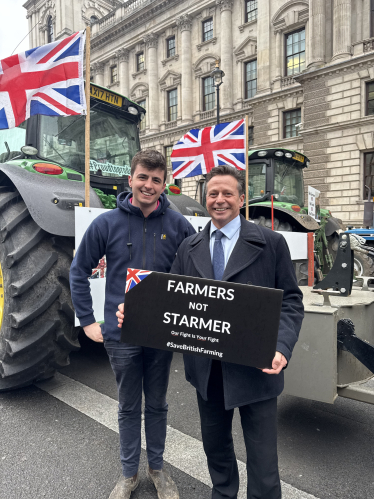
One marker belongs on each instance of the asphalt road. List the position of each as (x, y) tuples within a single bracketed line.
[(50, 449)]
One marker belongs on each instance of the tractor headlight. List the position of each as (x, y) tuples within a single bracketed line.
[(279, 153), (261, 154), (288, 155), (132, 110), (141, 116), (29, 150)]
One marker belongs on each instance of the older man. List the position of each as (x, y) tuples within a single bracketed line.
[(232, 249)]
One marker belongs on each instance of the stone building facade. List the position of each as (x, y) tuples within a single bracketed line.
[(302, 70)]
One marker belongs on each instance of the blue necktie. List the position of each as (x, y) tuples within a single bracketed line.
[(218, 256)]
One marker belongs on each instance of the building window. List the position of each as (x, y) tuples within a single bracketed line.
[(250, 136), (250, 79), (291, 118), (208, 29), (209, 99), (250, 10), (142, 123), (140, 61), (172, 105), (370, 98), (113, 74), (168, 150), (170, 47), (50, 30), (368, 173), (295, 52)]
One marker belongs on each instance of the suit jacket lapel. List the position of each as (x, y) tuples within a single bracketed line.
[(200, 253), (245, 252)]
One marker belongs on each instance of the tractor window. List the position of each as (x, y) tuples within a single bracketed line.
[(256, 180), (113, 142), (15, 138), (288, 183)]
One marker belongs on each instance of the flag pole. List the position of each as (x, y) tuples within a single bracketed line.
[(246, 170), (87, 121)]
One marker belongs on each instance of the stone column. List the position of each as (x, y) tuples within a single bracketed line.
[(358, 21), (263, 47), (36, 30), (185, 25), (32, 24), (151, 42), (317, 38), (366, 19), (226, 54), (99, 73), (123, 71), (278, 55), (28, 17), (342, 29)]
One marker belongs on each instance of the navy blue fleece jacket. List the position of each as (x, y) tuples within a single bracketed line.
[(109, 234)]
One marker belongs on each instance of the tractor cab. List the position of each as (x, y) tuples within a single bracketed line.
[(59, 142), (277, 172)]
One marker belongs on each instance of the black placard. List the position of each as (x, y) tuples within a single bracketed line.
[(222, 320)]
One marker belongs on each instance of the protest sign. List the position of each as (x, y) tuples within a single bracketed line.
[(221, 320), (314, 205)]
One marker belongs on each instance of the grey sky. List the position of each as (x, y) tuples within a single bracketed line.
[(14, 26)]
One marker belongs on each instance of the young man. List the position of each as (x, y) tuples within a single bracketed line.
[(140, 233), (232, 249)]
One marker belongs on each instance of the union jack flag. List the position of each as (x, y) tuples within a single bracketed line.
[(44, 80), (134, 276), (199, 151)]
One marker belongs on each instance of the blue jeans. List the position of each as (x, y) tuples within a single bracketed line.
[(136, 368)]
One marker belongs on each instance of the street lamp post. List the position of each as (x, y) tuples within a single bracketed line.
[(217, 74)]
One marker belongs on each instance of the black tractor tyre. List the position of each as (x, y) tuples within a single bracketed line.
[(363, 265), (37, 330)]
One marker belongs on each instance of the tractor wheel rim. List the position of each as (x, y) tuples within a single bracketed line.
[(1, 296), (358, 269)]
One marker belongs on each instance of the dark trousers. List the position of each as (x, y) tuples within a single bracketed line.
[(137, 369), (259, 424)]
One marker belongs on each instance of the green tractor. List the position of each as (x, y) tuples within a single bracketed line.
[(279, 173), (42, 166)]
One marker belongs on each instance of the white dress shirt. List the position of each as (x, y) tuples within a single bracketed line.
[(230, 232)]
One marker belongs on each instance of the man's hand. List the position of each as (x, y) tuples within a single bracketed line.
[(120, 314), (279, 362), (93, 331)]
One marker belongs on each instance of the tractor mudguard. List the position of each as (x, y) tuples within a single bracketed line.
[(333, 225), (50, 200), (304, 220), (186, 206)]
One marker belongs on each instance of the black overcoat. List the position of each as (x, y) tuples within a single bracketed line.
[(260, 257)]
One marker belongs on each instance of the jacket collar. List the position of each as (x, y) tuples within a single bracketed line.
[(247, 249)]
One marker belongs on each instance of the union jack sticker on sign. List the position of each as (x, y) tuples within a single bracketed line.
[(44, 80), (198, 151), (135, 276)]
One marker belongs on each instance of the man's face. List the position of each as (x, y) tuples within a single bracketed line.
[(222, 199), (147, 186)]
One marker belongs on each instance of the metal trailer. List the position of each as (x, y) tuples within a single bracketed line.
[(322, 368)]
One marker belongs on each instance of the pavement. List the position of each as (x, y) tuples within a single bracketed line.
[(59, 440)]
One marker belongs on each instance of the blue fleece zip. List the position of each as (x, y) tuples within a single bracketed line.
[(128, 240)]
